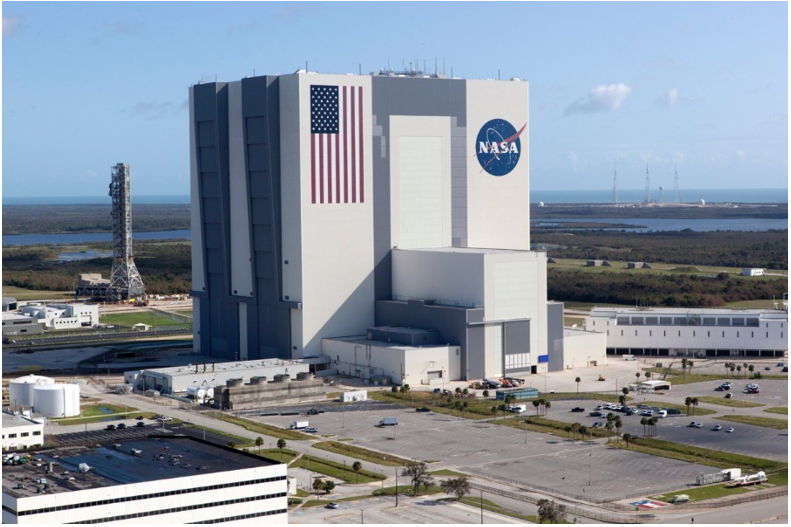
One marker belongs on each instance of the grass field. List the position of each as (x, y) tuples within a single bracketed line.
[(777, 410), (493, 507), (735, 403), (146, 317), (703, 456), (705, 493), (449, 473), (363, 454), (28, 294), (768, 422), (261, 428), (337, 470), (549, 426), (286, 456)]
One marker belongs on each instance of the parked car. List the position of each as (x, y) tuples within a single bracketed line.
[(164, 419), (121, 426), (785, 368), (768, 368), (729, 430), (717, 428), (596, 413), (693, 424), (437, 390), (729, 396), (597, 424), (578, 409), (110, 427), (332, 505), (310, 430), (313, 411), (673, 411), (423, 409), (780, 364), (699, 425), (139, 417), (141, 424), (719, 389)]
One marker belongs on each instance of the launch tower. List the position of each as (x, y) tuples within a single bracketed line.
[(125, 280)]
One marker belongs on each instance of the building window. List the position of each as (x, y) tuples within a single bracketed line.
[(664, 333), (635, 332), (752, 334), (37, 433), (11, 436), (737, 334), (622, 333), (650, 333), (693, 333), (723, 334), (25, 434), (679, 333), (767, 334), (608, 332)]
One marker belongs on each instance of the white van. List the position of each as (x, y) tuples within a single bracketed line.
[(628, 357), (661, 413)]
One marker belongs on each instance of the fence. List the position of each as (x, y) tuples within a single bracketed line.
[(734, 501), (571, 509)]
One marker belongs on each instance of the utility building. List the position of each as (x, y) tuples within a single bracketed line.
[(324, 205)]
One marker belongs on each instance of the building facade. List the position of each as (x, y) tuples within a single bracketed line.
[(692, 332), (21, 432), (63, 316), (304, 185)]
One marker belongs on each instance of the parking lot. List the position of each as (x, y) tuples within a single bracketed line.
[(581, 468)]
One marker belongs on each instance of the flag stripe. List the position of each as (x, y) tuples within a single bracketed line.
[(337, 156)]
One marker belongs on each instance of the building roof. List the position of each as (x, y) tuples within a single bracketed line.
[(363, 339), (682, 311), (161, 457), (655, 383), (10, 421), (15, 316), (465, 250), (243, 367)]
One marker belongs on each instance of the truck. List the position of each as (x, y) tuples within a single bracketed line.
[(388, 421), (629, 357), (753, 479), (517, 408), (299, 425)]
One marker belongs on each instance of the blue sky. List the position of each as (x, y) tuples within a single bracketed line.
[(703, 85)]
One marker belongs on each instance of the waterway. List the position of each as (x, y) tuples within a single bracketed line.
[(665, 224)]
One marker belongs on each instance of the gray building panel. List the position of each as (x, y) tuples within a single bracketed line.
[(555, 335)]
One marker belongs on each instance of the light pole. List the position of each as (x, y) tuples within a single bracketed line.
[(396, 471), (590, 461), (362, 517), (481, 506)]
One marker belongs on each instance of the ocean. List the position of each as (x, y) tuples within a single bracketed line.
[(769, 195)]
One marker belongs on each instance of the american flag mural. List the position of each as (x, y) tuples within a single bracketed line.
[(336, 144)]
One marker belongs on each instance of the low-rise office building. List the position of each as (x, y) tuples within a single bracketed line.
[(21, 432), (156, 480), (692, 332), (63, 316)]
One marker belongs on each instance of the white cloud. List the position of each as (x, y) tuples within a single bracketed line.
[(602, 98), (669, 99), (741, 154), (10, 25)]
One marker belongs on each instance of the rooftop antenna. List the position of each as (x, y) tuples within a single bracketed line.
[(647, 188), (615, 184), (677, 198)]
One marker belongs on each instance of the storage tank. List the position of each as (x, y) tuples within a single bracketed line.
[(57, 400), (304, 376), (196, 392), (282, 377), (258, 380), (20, 391), (234, 382)]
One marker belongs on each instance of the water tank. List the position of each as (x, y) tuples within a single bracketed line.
[(282, 377), (304, 376), (258, 380), (57, 400), (210, 392), (196, 392), (234, 382), (20, 391)]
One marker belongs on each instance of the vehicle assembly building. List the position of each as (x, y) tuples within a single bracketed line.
[(324, 205), (692, 332)]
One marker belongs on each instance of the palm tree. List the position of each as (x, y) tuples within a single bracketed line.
[(575, 427), (622, 400), (688, 402), (503, 409), (578, 381), (609, 426), (627, 438), (694, 404), (259, 441), (739, 369), (643, 422), (583, 430), (357, 467), (745, 369), (684, 365), (281, 444), (464, 407), (727, 366), (458, 406), (647, 375), (618, 424), (750, 368), (536, 403), (547, 406), (494, 411), (733, 367), (689, 365), (654, 421), (625, 390), (567, 429)]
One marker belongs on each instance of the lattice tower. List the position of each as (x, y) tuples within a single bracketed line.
[(125, 280)]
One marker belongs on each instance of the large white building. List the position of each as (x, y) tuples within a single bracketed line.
[(63, 316), (692, 332), (324, 205), (156, 480), (21, 432)]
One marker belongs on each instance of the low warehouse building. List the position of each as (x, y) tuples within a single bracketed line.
[(21, 432), (236, 395)]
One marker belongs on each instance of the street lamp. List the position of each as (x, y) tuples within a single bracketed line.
[(396, 471), (481, 506)]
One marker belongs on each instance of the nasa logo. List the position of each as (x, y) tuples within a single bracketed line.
[(498, 147)]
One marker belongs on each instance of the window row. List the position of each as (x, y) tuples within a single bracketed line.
[(695, 334)]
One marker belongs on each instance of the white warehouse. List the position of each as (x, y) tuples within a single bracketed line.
[(692, 332)]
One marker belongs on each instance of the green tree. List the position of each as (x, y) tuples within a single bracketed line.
[(684, 365), (689, 365), (618, 424), (357, 467), (328, 486), (232, 444), (550, 512), (637, 376), (583, 430), (654, 421), (486, 393), (417, 472), (547, 406), (609, 426), (458, 407), (575, 428), (644, 422), (259, 441), (318, 484), (578, 381), (567, 429), (625, 390), (750, 368), (458, 390), (503, 408), (281, 444), (394, 389), (536, 403), (460, 486), (694, 404), (647, 375), (688, 403)]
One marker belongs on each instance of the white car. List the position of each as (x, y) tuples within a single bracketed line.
[(332, 505), (729, 430), (717, 428)]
